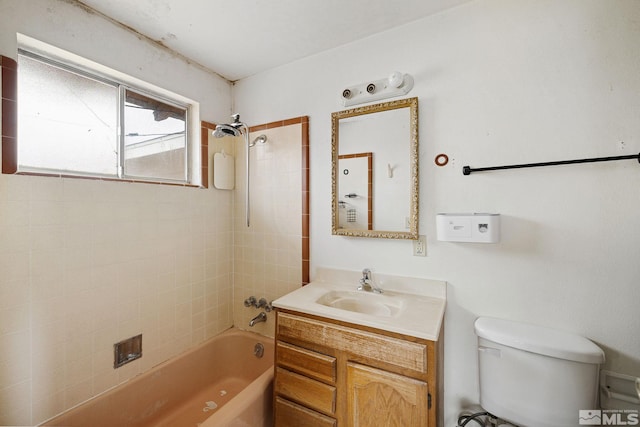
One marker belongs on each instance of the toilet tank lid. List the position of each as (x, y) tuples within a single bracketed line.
[(539, 339)]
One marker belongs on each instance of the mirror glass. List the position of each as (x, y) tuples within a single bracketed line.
[(375, 170)]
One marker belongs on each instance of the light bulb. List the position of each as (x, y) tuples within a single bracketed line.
[(396, 79)]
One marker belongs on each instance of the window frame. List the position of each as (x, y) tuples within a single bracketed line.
[(193, 163), (122, 96)]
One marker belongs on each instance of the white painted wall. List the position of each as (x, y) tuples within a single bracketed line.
[(499, 82)]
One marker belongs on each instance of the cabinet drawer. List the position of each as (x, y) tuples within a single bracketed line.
[(394, 351), (289, 414), (307, 362), (311, 393)]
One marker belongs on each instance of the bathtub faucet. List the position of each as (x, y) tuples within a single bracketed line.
[(262, 317)]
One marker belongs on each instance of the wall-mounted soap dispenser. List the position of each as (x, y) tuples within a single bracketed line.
[(468, 227)]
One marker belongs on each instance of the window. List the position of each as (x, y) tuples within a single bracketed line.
[(74, 121), (155, 138)]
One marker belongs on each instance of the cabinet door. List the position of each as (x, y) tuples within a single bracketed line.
[(379, 398)]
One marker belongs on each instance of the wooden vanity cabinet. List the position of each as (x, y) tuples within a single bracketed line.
[(331, 373)]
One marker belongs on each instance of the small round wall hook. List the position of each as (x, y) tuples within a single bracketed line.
[(441, 159)]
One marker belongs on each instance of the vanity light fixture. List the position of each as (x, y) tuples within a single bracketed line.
[(397, 84)]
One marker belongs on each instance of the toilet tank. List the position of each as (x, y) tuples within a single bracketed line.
[(534, 376)]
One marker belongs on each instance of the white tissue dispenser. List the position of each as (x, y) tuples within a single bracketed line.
[(468, 227)]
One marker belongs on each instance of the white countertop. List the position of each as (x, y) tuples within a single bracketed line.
[(423, 302)]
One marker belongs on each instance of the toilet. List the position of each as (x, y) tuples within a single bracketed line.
[(532, 376)]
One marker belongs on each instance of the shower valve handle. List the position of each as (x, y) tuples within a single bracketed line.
[(251, 302)]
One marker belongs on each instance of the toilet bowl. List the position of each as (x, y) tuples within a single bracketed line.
[(534, 376)]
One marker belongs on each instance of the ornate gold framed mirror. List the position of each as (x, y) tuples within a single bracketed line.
[(374, 179)]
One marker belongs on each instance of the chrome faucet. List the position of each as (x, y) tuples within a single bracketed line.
[(262, 317), (367, 283)]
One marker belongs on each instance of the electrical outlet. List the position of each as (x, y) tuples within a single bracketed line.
[(420, 246)]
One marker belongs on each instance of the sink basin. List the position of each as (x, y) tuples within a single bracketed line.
[(408, 305), (363, 302)]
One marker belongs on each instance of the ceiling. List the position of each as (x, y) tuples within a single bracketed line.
[(239, 38)]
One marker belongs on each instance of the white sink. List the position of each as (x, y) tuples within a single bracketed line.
[(408, 305), (363, 302)]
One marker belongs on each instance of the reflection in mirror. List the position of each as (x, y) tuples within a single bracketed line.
[(375, 170), (354, 191)]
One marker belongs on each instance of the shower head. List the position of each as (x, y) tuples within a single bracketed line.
[(237, 128), (260, 139), (231, 129), (226, 130)]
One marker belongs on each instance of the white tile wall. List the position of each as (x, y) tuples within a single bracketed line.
[(267, 255), (86, 263)]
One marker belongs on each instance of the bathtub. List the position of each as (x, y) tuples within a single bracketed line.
[(219, 383)]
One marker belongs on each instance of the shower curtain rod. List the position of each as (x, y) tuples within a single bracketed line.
[(468, 170)]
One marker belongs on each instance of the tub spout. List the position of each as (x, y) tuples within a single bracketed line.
[(262, 317)]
